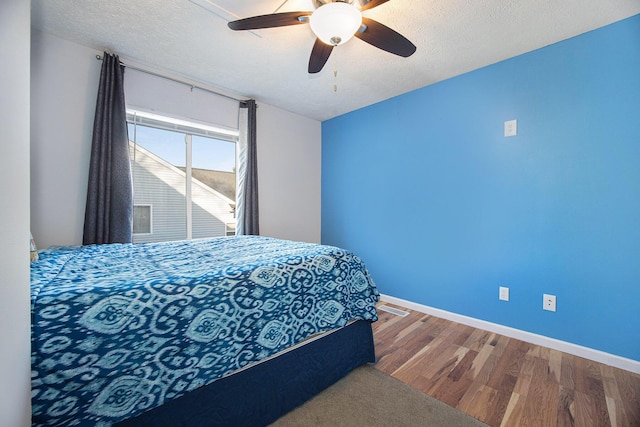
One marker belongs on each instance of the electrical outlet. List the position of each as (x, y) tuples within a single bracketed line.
[(549, 302), (504, 294), (510, 128)]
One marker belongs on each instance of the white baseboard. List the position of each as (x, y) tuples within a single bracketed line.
[(566, 347)]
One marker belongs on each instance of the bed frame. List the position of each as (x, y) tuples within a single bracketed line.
[(259, 395)]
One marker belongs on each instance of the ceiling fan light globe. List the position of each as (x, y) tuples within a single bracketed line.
[(335, 23)]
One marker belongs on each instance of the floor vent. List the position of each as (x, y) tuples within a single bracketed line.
[(393, 310)]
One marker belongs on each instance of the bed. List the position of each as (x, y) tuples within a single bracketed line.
[(223, 331)]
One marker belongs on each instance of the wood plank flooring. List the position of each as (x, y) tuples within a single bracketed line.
[(503, 381)]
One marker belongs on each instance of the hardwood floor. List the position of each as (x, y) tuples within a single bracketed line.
[(503, 381)]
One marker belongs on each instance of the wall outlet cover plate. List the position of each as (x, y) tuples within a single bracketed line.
[(549, 302), (511, 128), (504, 294)]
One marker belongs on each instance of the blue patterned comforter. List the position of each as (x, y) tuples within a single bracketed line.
[(120, 329)]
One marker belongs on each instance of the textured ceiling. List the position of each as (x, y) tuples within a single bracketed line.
[(189, 39)]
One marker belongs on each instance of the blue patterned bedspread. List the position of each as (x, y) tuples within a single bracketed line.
[(120, 329)]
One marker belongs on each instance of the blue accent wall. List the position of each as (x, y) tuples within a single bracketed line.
[(444, 209)]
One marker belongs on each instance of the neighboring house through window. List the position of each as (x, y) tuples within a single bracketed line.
[(184, 178)]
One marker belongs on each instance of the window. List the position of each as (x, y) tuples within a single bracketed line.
[(184, 179), (142, 219)]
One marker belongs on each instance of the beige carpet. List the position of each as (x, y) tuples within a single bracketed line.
[(369, 397)]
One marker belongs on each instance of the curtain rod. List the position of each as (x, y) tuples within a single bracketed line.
[(192, 86)]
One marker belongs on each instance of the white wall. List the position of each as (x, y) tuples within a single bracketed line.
[(15, 366), (289, 174), (64, 86)]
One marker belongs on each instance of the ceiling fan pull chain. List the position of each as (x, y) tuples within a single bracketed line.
[(335, 72)]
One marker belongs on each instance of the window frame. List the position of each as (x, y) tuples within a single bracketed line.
[(182, 125)]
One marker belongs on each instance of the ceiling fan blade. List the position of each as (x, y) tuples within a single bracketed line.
[(372, 4), (319, 55), (269, 21), (385, 38)]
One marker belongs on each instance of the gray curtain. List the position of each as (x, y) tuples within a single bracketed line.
[(247, 194), (109, 209)]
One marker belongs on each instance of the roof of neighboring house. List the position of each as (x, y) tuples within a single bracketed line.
[(222, 182), (208, 186)]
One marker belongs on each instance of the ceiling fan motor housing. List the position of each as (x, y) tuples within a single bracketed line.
[(319, 3), (335, 23)]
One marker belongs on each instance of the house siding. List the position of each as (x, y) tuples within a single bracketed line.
[(162, 186)]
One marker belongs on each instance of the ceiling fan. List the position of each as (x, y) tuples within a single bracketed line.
[(334, 22)]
